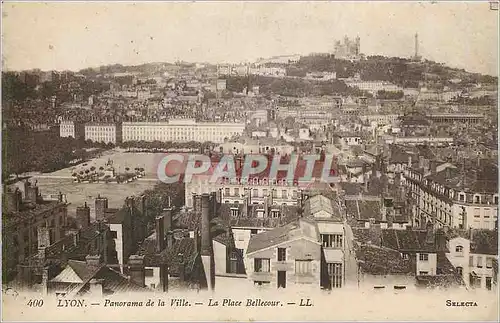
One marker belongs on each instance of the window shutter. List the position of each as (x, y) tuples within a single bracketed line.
[(471, 261)]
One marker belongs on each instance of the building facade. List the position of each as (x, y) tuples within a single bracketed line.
[(181, 130), (103, 132)]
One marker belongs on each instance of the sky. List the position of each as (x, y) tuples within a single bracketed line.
[(75, 35)]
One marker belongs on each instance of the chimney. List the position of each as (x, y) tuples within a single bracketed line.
[(101, 204), (13, 200), (197, 204), (160, 233), (130, 202), (440, 240), (206, 239), (141, 204), (83, 216), (43, 237), (421, 162), (207, 255), (167, 219), (32, 194), (215, 207), (448, 172), (390, 217), (266, 205), (433, 166), (137, 270), (409, 161), (182, 267), (430, 238), (45, 281), (26, 184), (197, 241), (96, 287), (164, 277), (93, 260)]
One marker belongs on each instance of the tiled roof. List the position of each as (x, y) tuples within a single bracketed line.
[(364, 210), (481, 180), (377, 260), (77, 270), (405, 241), (114, 282)]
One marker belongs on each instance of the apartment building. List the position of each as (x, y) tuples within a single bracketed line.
[(181, 130), (104, 132), (453, 197), (71, 129), (29, 223)]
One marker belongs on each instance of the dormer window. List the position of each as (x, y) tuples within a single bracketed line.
[(495, 199), (459, 249), (235, 212), (275, 213), (477, 199), (461, 197)]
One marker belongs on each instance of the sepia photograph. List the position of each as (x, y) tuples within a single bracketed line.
[(249, 161)]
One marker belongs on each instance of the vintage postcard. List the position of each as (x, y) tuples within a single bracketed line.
[(250, 161)]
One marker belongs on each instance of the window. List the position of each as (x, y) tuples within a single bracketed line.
[(253, 232), (284, 194), (275, 213), (461, 197), (235, 212), (489, 262), (335, 275), (459, 249), (477, 199), (261, 265), (113, 234), (460, 271), (399, 287), (421, 273), (405, 256), (488, 283), (233, 261), (479, 262), (302, 267), (332, 240), (148, 272), (495, 199), (281, 254), (255, 192), (237, 191), (423, 257), (227, 192)]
